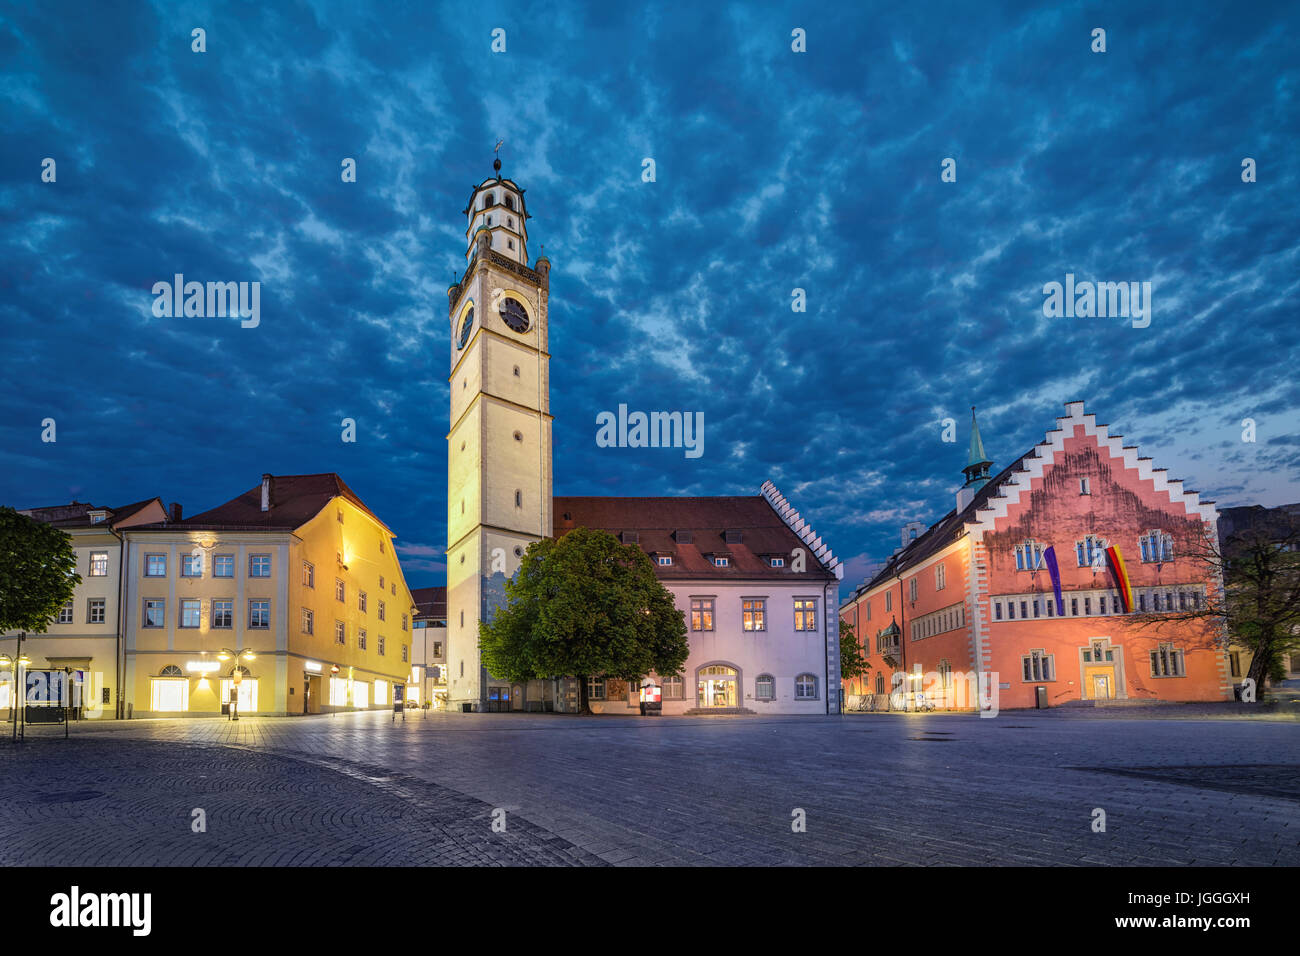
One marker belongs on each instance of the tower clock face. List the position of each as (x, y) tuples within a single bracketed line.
[(514, 315), (466, 327)]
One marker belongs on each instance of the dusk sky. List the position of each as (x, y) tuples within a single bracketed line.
[(775, 170)]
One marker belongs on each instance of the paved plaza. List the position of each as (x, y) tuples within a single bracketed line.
[(933, 789)]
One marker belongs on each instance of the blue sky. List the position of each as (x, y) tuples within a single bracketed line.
[(775, 170)]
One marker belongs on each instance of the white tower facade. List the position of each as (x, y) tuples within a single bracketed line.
[(499, 477)]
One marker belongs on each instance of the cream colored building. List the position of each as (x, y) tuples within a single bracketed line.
[(289, 598), (86, 635)]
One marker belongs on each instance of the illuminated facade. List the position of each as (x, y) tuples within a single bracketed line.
[(86, 636), (289, 596), (973, 593)]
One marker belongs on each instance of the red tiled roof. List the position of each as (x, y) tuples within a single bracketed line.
[(657, 521), (295, 500)]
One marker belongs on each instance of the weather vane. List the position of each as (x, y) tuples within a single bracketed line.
[(496, 163)]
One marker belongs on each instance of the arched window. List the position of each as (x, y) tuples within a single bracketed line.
[(488, 200), (805, 687), (243, 671), (171, 670), (765, 687), (880, 683), (510, 201)]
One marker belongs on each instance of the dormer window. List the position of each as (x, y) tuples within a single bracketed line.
[(682, 537), (721, 561), (733, 537), (629, 537), (665, 560), (96, 517), (776, 562)]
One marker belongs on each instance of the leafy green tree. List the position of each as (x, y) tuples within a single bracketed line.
[(38, 572), (584, 605), (853, 663)]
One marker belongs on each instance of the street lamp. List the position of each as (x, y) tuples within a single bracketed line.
[(236, 674)]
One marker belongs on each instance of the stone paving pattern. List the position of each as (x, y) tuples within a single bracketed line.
[(932, 789)]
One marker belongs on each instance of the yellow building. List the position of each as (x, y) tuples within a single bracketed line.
[(289, 598)]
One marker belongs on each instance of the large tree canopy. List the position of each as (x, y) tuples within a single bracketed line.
[(38, 572), (584, 605)]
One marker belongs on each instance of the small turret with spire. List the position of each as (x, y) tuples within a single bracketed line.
[(976, 468)]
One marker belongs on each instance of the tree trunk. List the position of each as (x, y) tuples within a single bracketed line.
[(584, 703), (1260, 663)]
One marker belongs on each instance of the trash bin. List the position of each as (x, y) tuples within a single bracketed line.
[(1040, 698)]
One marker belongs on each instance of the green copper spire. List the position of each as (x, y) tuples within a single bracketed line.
[(977, 463)]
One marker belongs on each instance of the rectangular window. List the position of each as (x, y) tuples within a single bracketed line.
[(382, 609), (940, 579), (437, 648), (259, 565), (1074, 607), (95, 610), (308, 621), (340, 591), (997, 610), (665, 560), (381, 582), (911, 589), (1087, 607), (721, 562), (340, 633), (674, 688), (1234, 663), (403, 622), (361, 639), (701, 614), (308, 575), (754, 614), (1051, 606), (889, 601), (1037, 666), (380, 648), (259, 614), (223, 566), (98, 564), (595, 688), (191, 612), (1101, 605), (1166, 661), (405, 654), (191, 565), (1142, 600), (155, 565), (223, 614), (65, 613), (154, 612), (778, 562), (868, 610), (361, 601), (1024, 609), (1085, 486), (805, 614), (1035, 607)]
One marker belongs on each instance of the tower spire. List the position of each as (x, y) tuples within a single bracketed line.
[(977, 463)]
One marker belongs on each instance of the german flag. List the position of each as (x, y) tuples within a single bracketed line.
[(1120, 574)]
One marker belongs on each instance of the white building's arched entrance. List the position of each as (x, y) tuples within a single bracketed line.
[(717, 685)]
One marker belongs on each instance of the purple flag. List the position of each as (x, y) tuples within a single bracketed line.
[(1050, 557)]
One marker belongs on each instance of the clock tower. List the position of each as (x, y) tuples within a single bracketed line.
[(499, 443)]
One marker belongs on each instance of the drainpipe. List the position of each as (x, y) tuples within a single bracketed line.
[(121, 619), (902, 635)]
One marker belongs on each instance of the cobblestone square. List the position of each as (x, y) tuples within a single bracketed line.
[(924, 790)]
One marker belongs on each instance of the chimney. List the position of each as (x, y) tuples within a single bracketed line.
[(176, 512), (268, 492)]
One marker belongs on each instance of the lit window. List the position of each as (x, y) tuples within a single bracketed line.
[(754, 614), (340, 590), (701, 614), (98, 564), (805, 614), (361, 601)]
